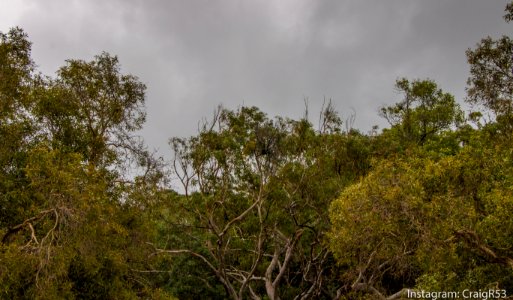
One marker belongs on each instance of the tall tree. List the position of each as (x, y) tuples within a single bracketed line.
[(256, 198), (92, 109), (428, 223), (18, 131), (68, 227), (424, 112), (491, 74)]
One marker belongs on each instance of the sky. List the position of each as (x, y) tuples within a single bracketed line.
[(194, 55)]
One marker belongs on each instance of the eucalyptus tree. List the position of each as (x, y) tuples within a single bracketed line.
[(256, 193), (490, 83), (93, 109), (67, 227), (424, 112), (434, 219)]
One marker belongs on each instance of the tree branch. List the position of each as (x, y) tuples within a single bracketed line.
[(473, 240)]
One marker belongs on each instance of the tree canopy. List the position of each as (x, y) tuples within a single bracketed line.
[(268, 207)]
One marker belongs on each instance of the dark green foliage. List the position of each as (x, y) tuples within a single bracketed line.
[(269, 208), (257, 193), (491, 75), (435, 210), (425, 112), (65, 232)]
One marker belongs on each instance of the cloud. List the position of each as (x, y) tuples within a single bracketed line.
[(194, 55)]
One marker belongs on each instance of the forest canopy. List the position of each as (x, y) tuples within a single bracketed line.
[(268, 207)]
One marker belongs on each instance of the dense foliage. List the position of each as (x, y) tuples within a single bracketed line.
[(268, 208)]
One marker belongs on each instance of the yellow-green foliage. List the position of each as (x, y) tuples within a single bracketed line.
[(424, 218)]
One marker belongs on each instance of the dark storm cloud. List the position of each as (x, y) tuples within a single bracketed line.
[(194, 55)]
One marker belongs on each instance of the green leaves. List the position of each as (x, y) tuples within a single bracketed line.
[(491, 76), (427, 217), (64, 229), (271, 207), (256, 198), (92, 109), (16, 67), (425, 112), (490, 83)]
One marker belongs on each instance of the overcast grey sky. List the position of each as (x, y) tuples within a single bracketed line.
[(194, 55)]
